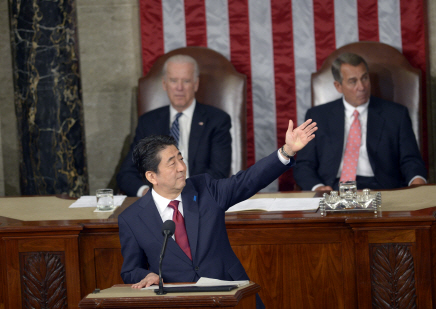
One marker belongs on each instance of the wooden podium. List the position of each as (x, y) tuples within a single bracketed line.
[(123, 296)]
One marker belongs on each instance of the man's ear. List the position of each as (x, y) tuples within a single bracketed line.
[(196, 84), (164, 84), (338, 86), (151, 177)]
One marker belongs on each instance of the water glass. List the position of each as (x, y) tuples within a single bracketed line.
[(105, 199), (347, 189)]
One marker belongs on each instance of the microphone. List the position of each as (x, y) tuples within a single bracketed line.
[(168, 229)]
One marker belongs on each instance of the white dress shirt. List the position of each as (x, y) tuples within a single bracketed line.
[(185, 130), (165, 212)]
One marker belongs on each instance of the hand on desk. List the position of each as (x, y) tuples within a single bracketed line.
[(324, 188), (418, 181), (150, 279)]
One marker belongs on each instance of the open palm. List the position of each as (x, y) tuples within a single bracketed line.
[(297, 138)]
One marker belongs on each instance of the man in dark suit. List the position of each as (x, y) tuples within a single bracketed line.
[(202, 202), (387, 153), (204, 131)]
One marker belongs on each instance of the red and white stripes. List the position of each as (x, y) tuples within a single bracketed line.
[(278, 44)]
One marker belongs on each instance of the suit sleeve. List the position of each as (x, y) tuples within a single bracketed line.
[(230, 191), (135, 263), (411, 162), (221, 149), (129, 180), (306, 168)]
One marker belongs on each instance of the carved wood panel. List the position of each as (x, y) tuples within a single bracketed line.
[(392, 276), (43, 281), (42, 271)]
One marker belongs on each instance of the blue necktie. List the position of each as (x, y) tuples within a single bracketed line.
[(175, 130)]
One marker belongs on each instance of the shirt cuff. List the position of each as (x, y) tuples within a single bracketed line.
[(283, 160), (317, 186), (417, 177), (141, 189)]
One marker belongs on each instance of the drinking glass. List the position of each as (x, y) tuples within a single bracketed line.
[(347, 189), (105, 199)]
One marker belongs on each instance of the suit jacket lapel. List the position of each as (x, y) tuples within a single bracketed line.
[(336, 126), (199, 119), (375, 130), (191, 216), (152, 219), (162, 121)]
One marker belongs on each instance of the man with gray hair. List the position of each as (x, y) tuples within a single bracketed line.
[(202, 132), (362, 137)]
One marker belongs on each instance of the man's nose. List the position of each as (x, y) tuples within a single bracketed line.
[(179, 85), (360, 85), (181, 166)]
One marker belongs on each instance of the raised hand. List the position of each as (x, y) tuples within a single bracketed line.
[(297, 138)]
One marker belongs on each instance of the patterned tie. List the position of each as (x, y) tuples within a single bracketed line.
[(181, 236), (175, 130), (351, 155)]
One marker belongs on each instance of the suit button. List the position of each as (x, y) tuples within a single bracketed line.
[(197, 268)]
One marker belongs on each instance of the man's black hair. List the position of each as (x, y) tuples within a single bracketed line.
[(146, 154)]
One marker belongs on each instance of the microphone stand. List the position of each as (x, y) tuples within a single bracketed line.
[(168, 230), (161, 291)]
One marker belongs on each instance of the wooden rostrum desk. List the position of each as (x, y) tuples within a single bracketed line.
[(57, 255), (123, 296)]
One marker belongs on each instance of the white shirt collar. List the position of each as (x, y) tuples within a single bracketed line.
[(189, 112), (349, 109), (162, 202)]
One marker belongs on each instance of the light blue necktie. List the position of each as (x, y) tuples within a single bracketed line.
[(175, 130)]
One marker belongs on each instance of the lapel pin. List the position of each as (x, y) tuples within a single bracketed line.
[(195, 198), (201, 123)]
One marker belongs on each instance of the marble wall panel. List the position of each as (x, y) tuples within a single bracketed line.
[(9, 176), (109, 42), (48, 99)]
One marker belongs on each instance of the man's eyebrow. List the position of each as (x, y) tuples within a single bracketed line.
[(173, 157)]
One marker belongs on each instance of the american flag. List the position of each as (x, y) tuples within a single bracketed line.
[(277, 44)]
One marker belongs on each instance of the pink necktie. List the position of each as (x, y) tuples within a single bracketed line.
[(181, 236), (351, 155)]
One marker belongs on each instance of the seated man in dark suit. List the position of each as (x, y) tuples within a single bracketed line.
[(202, 131), (201, 247), (361, 137)]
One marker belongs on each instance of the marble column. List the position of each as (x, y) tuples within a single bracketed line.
[(48, 99)]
